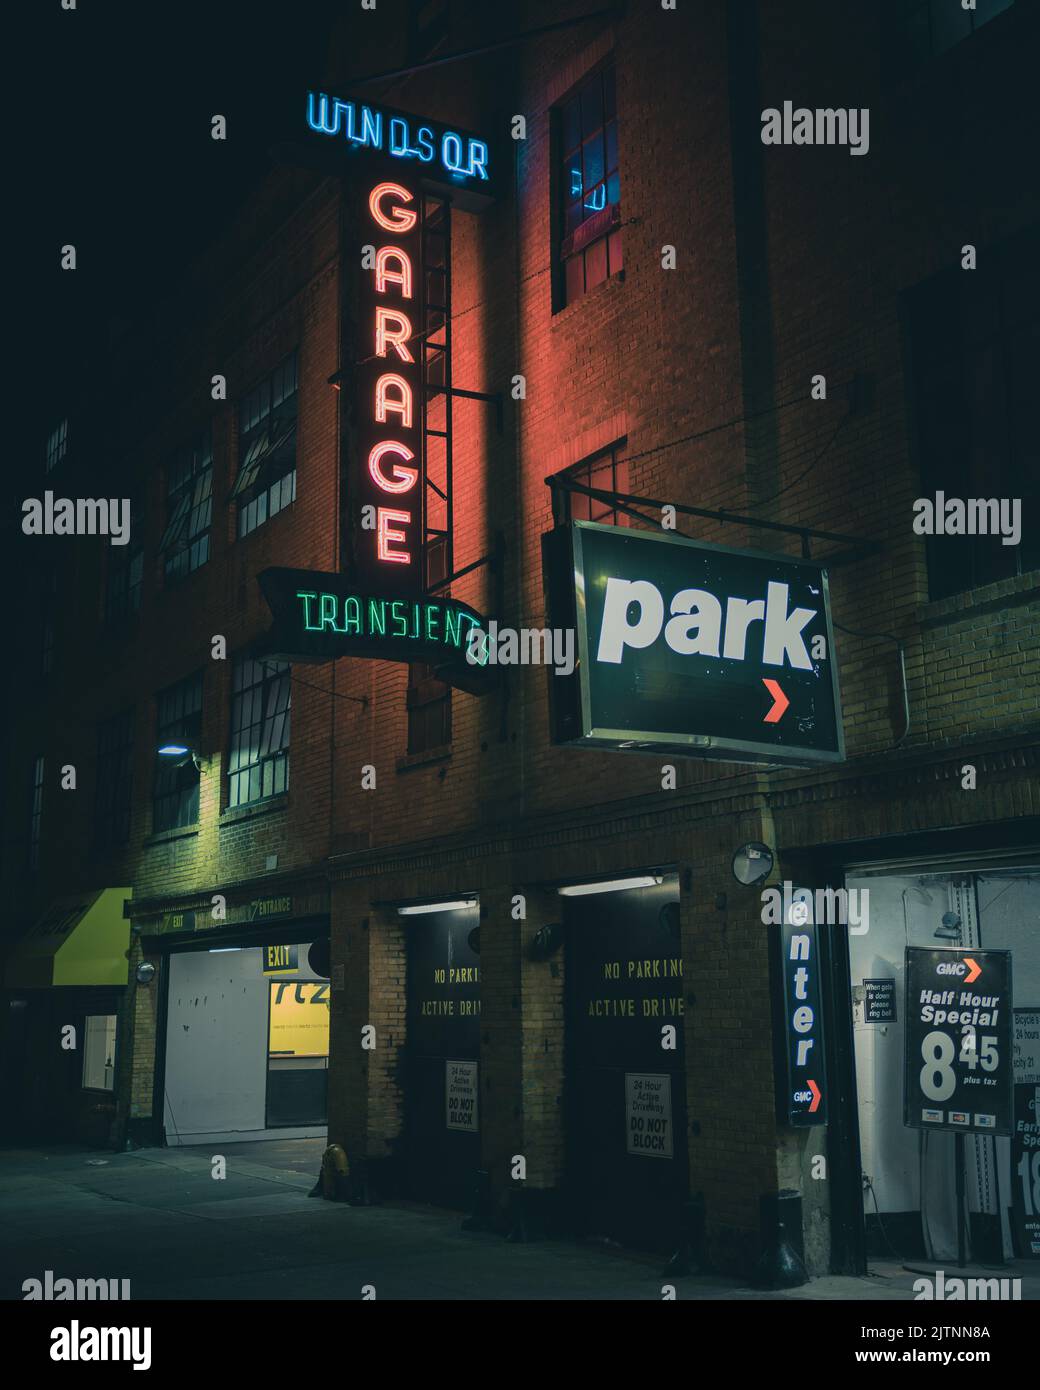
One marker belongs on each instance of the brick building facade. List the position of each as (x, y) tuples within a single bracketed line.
[(690, 383)]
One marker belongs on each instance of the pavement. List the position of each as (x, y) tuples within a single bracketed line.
[(159, 1218)]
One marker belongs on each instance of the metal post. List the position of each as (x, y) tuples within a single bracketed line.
[(962, 1233)]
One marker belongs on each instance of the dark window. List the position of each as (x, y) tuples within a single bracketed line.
[(922, 29), (36, 814), (176, 791), (266, 481), (606, 472), (428, 23), (258, 765), (115, 756), (189, 508), (590, 188), (57, 444), (126, 569), (975, 343), (429, 700)]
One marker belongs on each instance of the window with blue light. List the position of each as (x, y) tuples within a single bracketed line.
[(589, 188), (258, 759), (189, 508), (176, 788), (266, 481)]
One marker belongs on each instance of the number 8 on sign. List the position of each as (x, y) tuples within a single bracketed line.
[(938, 1081)]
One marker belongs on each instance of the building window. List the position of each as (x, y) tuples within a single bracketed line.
[(607, 472), (266, 481), (925, 28), (126, 570), (36, 814), (258, 765), (428, 700), (115, 758), (57, 444), (590, 188), (176, 789), (99, 1052), (189, 508), (975, 342)]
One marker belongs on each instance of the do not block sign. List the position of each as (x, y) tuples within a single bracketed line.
[(648, 1114)]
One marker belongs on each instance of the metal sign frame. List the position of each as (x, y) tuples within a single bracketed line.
[(697, 745)]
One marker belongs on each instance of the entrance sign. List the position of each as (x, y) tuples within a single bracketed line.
[(321, 617), (879, 1001), (460, 1096), (958, 1040), (803, 1077), (648, 1114), (695, 648)]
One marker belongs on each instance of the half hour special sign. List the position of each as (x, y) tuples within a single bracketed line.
[(958, 1040), (696, 648)]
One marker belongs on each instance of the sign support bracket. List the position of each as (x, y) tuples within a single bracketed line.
[(859, 547)]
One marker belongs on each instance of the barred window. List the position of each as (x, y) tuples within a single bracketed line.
[(57, 444), (606, 472), (266, 481), (189, 508), (126, 569), (36, 814), (112, 790), (258, 765), (176, 787), (590, 188)]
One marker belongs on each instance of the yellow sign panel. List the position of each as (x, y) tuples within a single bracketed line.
[(299, 1018)]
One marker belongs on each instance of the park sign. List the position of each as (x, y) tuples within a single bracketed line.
[(320, 617), (692, 648)]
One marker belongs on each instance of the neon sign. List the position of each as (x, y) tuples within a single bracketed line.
[(389, 478), (446, 154), (321, 617)]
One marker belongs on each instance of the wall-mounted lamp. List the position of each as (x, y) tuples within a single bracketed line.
[(418, 909), (609, 885), (950, 927), (145, 973), (178, 755)]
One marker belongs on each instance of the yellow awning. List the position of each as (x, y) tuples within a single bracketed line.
[(78, 941)]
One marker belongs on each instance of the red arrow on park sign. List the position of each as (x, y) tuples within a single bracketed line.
[(780, 701)]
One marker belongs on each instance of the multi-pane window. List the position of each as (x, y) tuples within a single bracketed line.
[(258, 763), (115, 757), (57, 444), (126, 569), (428, 700), (99, 1052), (179, 722), (606, 472), (590, 188), (189, 508), (975, 350), (36, 814), (925, 28), (266, 479)]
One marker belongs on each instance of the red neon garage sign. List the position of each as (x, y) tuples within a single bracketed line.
[(390, 381)]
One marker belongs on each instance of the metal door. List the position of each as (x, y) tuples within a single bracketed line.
[(626, 1093), (442, 1107)]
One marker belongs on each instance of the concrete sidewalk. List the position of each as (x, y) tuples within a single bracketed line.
[(158, 1218)]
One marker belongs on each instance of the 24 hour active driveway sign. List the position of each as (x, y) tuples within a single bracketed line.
[(697, 648)]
